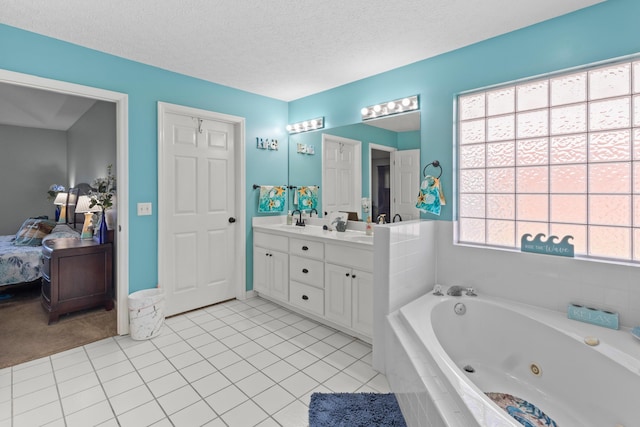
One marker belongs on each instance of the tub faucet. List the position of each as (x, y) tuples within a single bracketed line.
[(455, 291), (397, 216)]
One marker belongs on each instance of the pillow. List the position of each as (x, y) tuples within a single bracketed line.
[(33, 231), (62, 231)]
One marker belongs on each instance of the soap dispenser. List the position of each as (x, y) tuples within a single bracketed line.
[(369, 228), (289, 218)]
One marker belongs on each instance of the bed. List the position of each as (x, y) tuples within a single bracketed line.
[(21, 264)]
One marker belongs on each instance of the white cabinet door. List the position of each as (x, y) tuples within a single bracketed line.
[(261, 270), (362, 286), (337, 294), (271, 273), (279, 275)]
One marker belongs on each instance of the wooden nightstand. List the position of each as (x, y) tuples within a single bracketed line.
[(76, 275)]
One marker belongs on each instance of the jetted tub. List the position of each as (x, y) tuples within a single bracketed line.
[(499, 346)]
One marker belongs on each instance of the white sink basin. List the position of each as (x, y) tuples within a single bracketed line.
[(359, 238)]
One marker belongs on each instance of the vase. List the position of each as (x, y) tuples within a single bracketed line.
[(57, 212), (102, 231)]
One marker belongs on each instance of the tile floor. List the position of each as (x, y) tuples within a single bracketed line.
[(240, 363)]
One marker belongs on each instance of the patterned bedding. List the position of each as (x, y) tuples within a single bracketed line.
[(20, 264)]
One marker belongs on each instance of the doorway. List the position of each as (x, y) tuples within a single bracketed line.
[(122, 167)]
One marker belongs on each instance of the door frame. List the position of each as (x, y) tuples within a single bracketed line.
[(121, 101), (373, 146), (239, 179), (357, 184)]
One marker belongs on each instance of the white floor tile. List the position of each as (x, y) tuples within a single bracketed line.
[(240, 363), (179, 399), (292, 415), (273, 399), (226, 399), (255, 384), (143, 415), (165, 384), (97, 414), (246, 414)]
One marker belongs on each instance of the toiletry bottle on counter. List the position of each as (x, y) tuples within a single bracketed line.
[(289, 218), (369, 229)]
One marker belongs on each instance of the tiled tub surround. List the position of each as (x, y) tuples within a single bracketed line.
[(572, 382), (416, 257), (240, 363)]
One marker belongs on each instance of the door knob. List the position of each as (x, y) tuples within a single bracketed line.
[(232, 220)]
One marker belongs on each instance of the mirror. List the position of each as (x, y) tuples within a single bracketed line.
[(377, 138)]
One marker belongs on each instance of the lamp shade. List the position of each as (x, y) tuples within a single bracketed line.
[(83, 203), (61, 199)]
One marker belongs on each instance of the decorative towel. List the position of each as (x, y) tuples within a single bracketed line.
[(272, 198), (308, 197), (429, 197)]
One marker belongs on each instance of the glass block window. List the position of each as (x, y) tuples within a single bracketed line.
[(559, 156)]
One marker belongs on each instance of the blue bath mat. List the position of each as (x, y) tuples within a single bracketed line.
[(355, 410), (527, 414)]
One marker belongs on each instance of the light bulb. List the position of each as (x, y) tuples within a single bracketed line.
[(391, 105), (289, 128), (377, 108), (314, 123), (406, 102), (364, 111)]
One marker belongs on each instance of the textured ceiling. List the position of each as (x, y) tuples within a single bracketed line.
[(284, 49)]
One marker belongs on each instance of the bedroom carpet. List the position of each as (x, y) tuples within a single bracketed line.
[(25, 335)]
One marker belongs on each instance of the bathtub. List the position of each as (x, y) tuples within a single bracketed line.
[(441, 364)]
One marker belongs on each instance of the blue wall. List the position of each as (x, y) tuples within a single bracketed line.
[(29, 53), (604, 31)]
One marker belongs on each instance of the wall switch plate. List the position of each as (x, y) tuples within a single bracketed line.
[(144, 209)]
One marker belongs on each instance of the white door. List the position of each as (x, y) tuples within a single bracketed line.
[(406, 183), (341, 174), (198, 230)]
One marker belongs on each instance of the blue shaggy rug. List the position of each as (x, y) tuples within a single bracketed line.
[(355, 410)]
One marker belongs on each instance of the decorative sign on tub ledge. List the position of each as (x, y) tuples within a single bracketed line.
[(594, 316), (548, 247)]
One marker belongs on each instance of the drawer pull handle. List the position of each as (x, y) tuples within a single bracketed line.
[(304, 297), (305, 248), (305, 271)]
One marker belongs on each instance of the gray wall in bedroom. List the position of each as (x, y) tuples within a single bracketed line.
[(30, 161), (91, 144)]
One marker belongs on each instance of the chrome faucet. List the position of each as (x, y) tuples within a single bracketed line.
[(455, 291), (396, 216), (299, 221)]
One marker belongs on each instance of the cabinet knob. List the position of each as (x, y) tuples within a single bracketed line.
[(305, 248), (305, 271), (347, 275), (304, 297), (353, 276)]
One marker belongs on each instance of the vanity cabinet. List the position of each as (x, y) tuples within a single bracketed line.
[(271, 265), (328, 280)]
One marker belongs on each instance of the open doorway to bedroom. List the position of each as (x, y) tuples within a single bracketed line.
[(66, 134)]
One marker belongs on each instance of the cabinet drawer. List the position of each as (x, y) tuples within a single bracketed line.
[(307, 248), (350, 257), (307, 297), (271, 241), (305, 270)]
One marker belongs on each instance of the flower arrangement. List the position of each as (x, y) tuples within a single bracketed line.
[(105, 189), (54, 190)]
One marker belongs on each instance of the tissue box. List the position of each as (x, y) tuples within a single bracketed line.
[(593, 316)]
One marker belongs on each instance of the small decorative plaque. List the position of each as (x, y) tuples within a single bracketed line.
[(548, 247)]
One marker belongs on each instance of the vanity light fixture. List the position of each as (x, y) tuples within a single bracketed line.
[(306, 125), (402, 105)]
